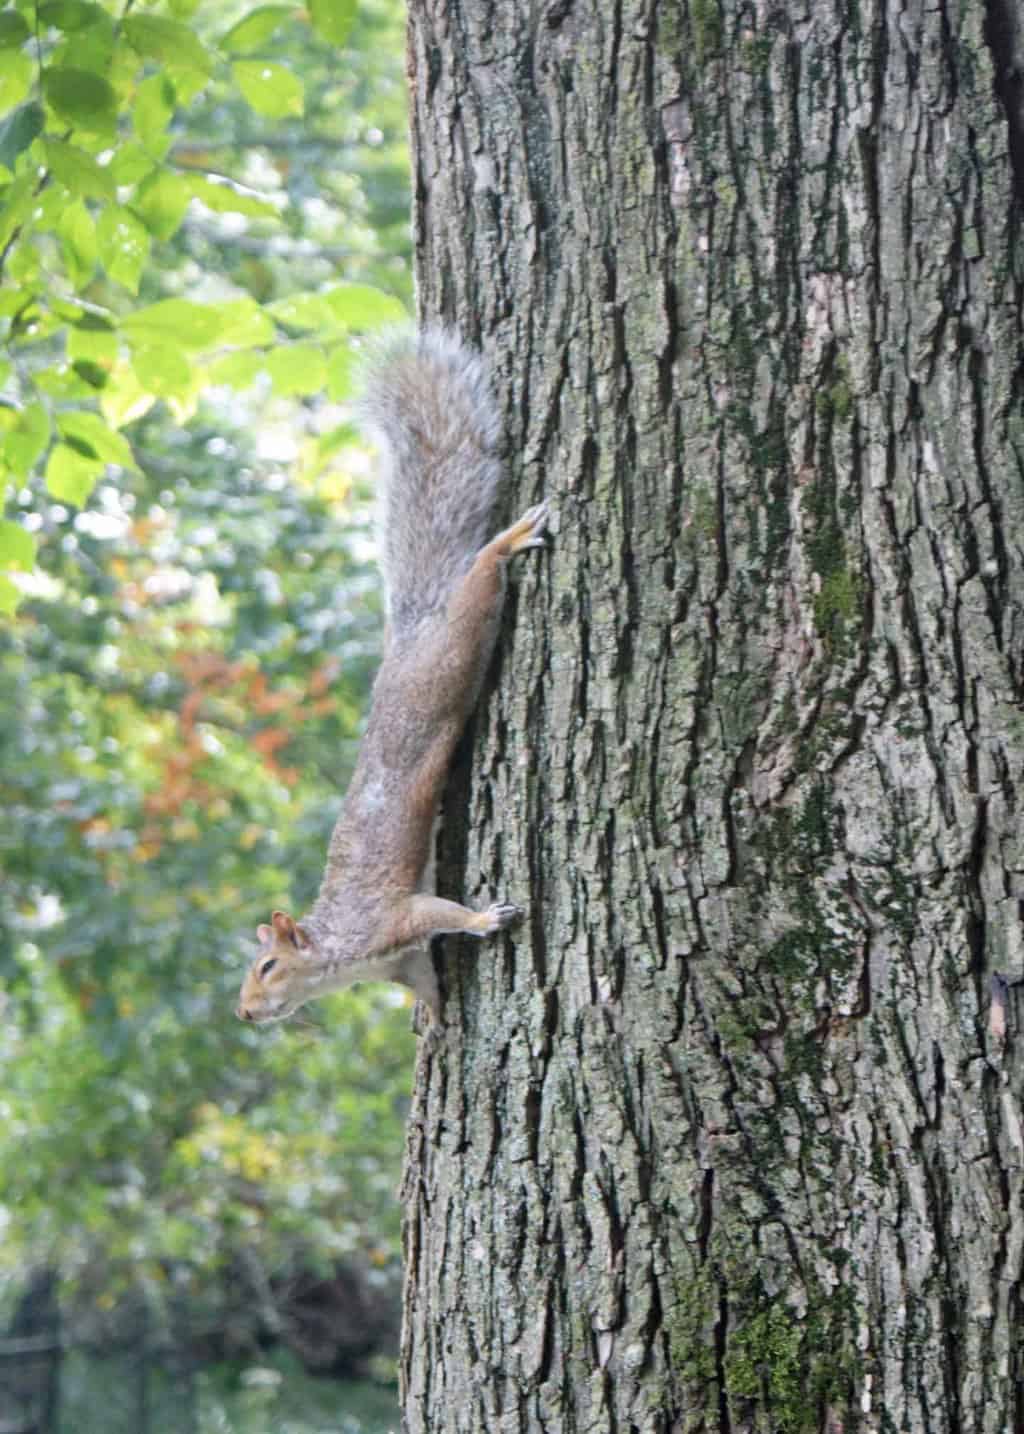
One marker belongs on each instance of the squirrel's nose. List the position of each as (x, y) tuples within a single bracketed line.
[(243, 1014)]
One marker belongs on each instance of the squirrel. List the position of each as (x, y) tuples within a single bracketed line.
[(428, 405)]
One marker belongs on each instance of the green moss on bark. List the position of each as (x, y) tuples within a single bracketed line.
[(783, 1369), (707, 28)]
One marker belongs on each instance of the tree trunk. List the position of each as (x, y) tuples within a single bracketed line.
[(728, 1136)]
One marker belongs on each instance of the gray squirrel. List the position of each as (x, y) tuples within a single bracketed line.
[(428, 404)]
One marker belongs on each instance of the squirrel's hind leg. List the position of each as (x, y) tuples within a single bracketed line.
[(477, 600)]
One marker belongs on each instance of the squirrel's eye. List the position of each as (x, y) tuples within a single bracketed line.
[(267, 967)]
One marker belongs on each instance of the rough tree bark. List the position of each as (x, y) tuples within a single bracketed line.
[(728, 1137)]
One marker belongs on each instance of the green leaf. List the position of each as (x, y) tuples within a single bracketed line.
[(18, 131), (344, 435), (99, 439), (37, 320), (162, 369), (302, 311), (123, 245), (18, 200), (16, 75), (95, 347), (168, 41), (161, 201), (130, 164), (188, 83), (93, 320), (254, 29), (152, 114), (297, 368), (71, 476), (25, 442), (333, 18), (72, 15), (80, 446), (66, 309), (238, 370), (358, 306), (124, 398), (14, 30), (270, 89), (50, 202), (339, 373), (92, 47), (225, 198), (10, 596), (61, 382), (77, 234), (17, 547), (244, 323), (78, 171), (81, 97), (192, 326), (91, 373), (11, 299)]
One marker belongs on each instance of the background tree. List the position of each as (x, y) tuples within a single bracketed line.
[(728, 1137), (185, 536)]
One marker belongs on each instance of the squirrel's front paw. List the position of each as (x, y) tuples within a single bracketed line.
[(501, 915)]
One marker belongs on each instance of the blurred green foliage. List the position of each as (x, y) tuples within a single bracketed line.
[(277, 1395), (199, 193), (202, 207)]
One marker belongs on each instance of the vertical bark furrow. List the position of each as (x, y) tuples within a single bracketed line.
[(724, 1140)]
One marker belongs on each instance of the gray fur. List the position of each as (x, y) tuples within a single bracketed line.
[(427, 403)]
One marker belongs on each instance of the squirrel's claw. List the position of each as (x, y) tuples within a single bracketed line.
[(525, 532), (503, 915), (531, 527)]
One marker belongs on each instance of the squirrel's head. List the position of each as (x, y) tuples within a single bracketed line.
[(280, 978)]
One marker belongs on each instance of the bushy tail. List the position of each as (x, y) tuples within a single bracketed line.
[(426, 401)]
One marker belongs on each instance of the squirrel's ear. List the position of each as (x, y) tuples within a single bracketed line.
[(286, 930), (301, 937), (264, 933), (283, 925)]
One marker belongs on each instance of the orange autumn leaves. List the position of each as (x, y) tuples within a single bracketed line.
[(222, 699), (237, 696)]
